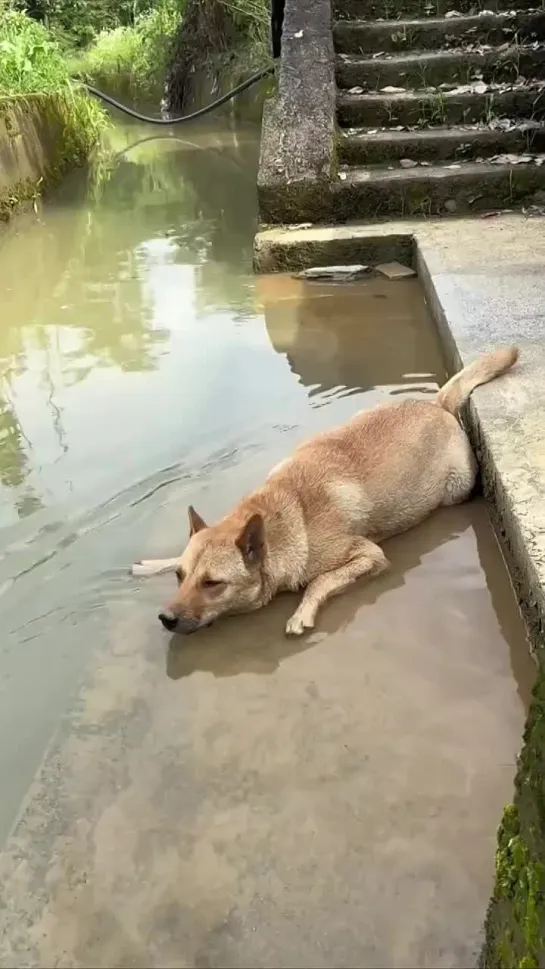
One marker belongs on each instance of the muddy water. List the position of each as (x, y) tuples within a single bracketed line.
[(237, 799)]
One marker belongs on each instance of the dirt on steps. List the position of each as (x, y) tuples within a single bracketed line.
[(438, 69), (440, 108), (438, 33), (399, 9), (372, 146)]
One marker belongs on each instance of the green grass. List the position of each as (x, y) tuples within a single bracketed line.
[(35, 84), (30, 60), (140, 52), (138, 56), (251, 16), (32, 63)]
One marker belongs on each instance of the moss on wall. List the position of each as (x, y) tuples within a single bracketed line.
[(515, 924)]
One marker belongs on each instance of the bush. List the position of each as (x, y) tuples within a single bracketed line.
[(141, 51), (82, 20), (30, 60), (33, 67), (112, 52)]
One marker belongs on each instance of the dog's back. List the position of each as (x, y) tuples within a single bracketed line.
[(380, 473)]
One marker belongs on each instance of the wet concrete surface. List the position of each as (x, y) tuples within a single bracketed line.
[(241, 800), (238, 798)]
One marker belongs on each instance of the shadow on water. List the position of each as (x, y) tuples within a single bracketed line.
[(255, 642), (358, 353)]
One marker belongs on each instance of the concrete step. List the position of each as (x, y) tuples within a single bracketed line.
[(398, 9), (433, 33), (371, 147), (424, 108), (367, 193), (421, 69)]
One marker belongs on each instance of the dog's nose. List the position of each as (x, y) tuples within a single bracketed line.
[(169, 620)]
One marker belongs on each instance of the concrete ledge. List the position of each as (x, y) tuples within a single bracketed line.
[(298, 132), (286, 248), (485, 283), (477, 309)]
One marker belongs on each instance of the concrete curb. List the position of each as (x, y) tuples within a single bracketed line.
[(491, 419)]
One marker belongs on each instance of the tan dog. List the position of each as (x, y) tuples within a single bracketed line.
[(316, 521)]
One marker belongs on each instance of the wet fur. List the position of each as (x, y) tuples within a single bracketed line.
[(317, 521)]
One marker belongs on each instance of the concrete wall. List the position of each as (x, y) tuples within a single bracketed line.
[(298, 151), (40, 136)]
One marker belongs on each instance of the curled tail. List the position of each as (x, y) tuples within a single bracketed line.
[(490, 365)]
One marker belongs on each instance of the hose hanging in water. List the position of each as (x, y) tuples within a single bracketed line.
[(186, 117)]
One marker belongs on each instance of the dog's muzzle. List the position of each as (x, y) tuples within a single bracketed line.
[(178, 624)]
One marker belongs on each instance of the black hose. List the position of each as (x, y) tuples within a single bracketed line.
[(186, 117)]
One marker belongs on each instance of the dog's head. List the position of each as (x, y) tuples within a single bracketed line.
[(220, 572)]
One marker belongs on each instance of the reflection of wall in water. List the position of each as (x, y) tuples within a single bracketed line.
[(358, 336), (205, 195), (207, 192), (14, 465)]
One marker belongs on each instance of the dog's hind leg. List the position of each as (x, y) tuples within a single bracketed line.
[(461, 477), (364, 559), (154, 566)]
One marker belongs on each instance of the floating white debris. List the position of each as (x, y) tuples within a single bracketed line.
[(511, 159), (408, 163), (392, 90), (334, 273), (298, 35)]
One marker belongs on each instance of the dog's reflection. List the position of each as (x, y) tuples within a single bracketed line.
[(357, 336)]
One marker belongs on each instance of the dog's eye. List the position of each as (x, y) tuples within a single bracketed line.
[(179, 576), (212, 583)]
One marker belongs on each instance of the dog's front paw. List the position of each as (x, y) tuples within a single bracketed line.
[(298, 623)]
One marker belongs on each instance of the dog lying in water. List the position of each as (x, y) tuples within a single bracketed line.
[(316, 522)]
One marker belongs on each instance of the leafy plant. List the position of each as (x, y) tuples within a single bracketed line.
[(140, 51), (33, 69), (30, 60)]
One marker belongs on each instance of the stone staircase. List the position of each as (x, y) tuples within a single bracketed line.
[(440, 110)]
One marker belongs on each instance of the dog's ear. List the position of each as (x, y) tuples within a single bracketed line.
[(252, 539), (196, 523)]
